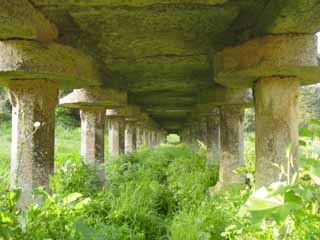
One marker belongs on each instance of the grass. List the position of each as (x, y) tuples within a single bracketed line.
[(155, 193)]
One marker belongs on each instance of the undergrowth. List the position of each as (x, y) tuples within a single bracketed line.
[(152, 194)]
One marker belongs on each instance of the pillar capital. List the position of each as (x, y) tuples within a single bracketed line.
[(94, 97), (201, 111), (67, 66), (282, 55), (129, 112)]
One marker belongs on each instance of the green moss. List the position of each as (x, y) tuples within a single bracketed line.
[(299, 16), (20, 20), (31, 60), (124, 2)]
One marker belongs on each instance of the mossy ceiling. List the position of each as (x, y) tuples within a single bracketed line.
[(161, 51)]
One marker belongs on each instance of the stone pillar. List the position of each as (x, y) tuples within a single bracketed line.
[(153, 138), (189, 136), (164, 137), (33, 122), (194, 135), (130, 137), (139, 136), (144, 136), (232, 146), (214, 138), (276, 102), (203, 128), (159, 138), (92, 137), (116, 135), (149, 137)]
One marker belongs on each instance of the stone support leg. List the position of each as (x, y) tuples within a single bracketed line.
[(33, 122), (116, 136), (232, 146), (92, 138), (214, 139), (276, 102), (139, 136), (130, 137), (203, 128)]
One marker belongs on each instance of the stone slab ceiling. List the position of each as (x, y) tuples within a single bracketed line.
[(161, 51)]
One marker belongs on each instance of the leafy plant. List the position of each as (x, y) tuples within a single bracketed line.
[(285, 210)]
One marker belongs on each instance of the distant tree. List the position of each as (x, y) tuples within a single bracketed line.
[(309, 104), (249, 120)]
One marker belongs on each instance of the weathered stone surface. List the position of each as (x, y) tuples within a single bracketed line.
[(297, 16), (116, 127), (159, 46), (139, 136), (161, 51), (69, 67), (276, 127), (213, 123), (20, 20), (92, 138), (231, 145), (209, 99), (126, 112), (135, 3), (95, 97), (130, 137), (33, 122), (293, 55)]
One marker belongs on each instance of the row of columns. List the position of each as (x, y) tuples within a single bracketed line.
[(33, 123), (221, 130)]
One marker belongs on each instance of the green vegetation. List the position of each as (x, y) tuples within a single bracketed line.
[(161, 193)]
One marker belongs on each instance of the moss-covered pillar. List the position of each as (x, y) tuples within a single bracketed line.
[(92, 103), (139, 136), (274, 66), (92, 136), (130, 137), (144, 136), (149, 138), (276, 102), (33, 122), (194, 135), (153, 138), (213, 123), (116, 135), (231, 145), (203, 130)]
